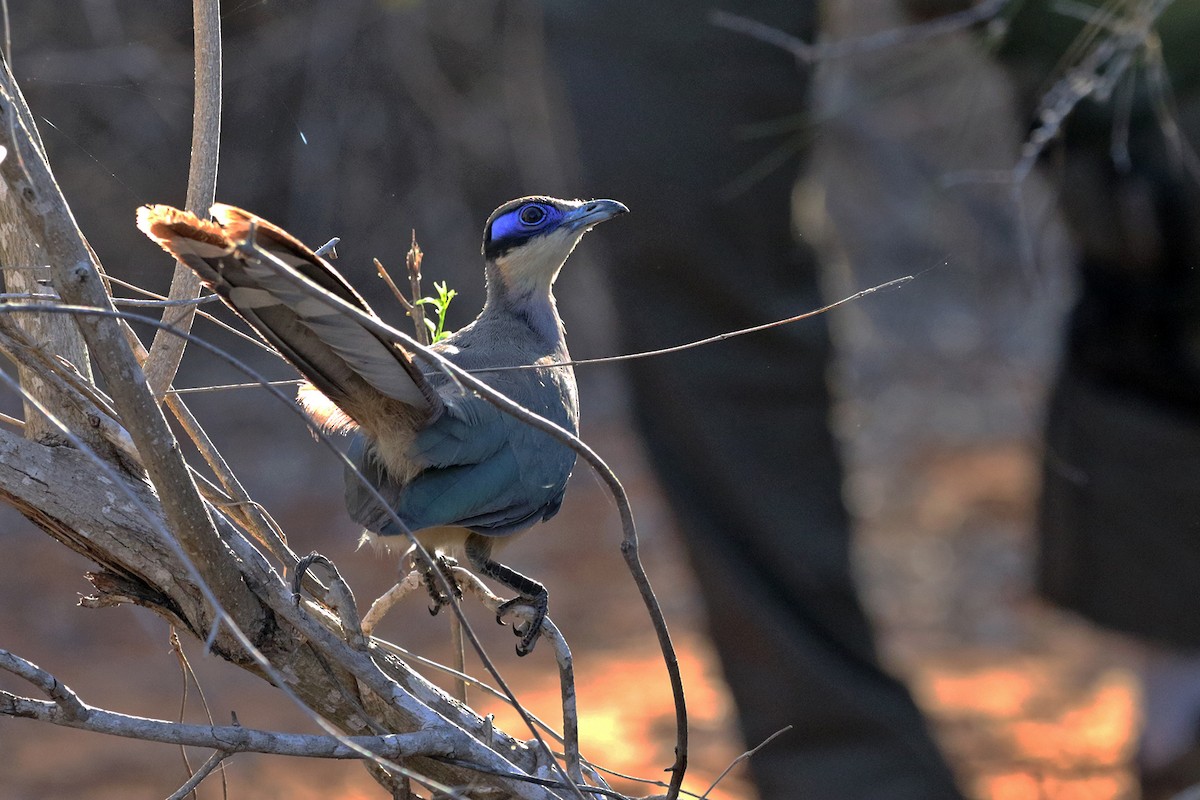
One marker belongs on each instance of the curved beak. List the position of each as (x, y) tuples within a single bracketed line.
[(592, 213)]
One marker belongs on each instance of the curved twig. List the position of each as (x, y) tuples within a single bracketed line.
[(167, 351), (629, 543)]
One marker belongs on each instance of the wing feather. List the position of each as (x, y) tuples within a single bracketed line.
[(358, 370)]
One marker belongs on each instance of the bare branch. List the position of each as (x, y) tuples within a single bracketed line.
[(66, 702), (69, 711), (167, 351)]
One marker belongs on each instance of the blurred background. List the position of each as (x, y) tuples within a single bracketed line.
[(371, 119)]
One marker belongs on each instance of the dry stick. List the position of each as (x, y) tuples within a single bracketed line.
[(268, 581), (259, 343), (629, 544), (625, 356), (224, 387), (391, 284), (412, 261), (357, 662), (167, 351), (388, 599), (458, 649), (566, 670), (189, 674)]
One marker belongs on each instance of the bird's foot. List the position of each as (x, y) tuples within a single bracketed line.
[(445, 565), (337, 597), (530, 626)]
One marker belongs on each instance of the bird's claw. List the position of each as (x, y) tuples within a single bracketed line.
[(529, 629), (446, 566)]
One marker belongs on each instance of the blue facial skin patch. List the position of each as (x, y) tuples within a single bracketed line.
[(512, 229)]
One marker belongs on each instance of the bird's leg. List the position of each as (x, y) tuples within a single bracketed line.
[(530, 592), (445, 565)]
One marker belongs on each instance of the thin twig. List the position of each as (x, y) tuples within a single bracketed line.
[(388, 599), (809, 53), (458, 651), (743, 757), (189, 675), (129, 302), (711, 339), (566, 669), (65, 701), (222, 387), (217, 759), (225, 326), (391, 284)]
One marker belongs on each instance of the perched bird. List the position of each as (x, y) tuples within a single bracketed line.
[(455, 470)]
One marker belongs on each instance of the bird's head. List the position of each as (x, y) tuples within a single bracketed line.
[(527, 240)]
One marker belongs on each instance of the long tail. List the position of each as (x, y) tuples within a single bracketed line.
[(366, 377)]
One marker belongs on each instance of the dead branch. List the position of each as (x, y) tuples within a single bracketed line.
[(23, 261), (67, 710)]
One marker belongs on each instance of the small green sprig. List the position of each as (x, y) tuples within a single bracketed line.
[(437, 331)]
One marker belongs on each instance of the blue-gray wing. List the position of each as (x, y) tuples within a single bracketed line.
[(484, 470)]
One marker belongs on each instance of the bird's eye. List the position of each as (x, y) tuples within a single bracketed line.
[(532, 215)]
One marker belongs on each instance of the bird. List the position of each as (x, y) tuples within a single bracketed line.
[(457, 472)]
